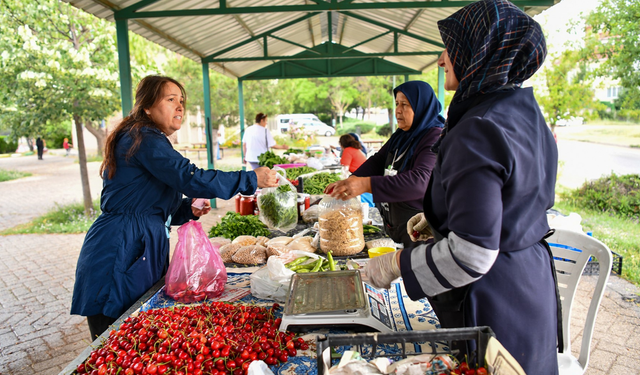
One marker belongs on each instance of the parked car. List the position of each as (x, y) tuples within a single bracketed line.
[(284, 121), (317, 127), (570, 121)]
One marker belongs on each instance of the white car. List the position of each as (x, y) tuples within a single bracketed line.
[(317, 127)]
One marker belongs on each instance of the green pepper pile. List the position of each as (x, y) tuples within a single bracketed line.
[(294, 151), (278, 208), (316, 184), (233, 225), (269, 159), (302, 264), (293, 173)]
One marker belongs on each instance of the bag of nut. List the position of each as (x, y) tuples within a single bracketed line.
[(340, 226)]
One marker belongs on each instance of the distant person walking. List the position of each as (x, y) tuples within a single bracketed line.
[(66, 145), (40, 146), (257, 140)]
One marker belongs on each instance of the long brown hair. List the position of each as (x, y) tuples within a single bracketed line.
[(148, 93), (348, 140)]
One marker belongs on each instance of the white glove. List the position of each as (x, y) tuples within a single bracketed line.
[(418, 225), (382, 270)]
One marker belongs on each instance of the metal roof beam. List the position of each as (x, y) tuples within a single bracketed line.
[(324, 56), (294, 43), (139, 5), (366, 41), (399, 31), (320, 6), (211, 57), (406, 28)]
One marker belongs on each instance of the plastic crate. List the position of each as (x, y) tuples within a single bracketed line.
[(593, 266), (440, 342)]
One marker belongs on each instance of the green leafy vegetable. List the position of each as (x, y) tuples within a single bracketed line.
[(233, 225), (269, 159), (316, 184), (278, 208)]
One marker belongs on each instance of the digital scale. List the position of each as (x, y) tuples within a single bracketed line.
[(336, 299)]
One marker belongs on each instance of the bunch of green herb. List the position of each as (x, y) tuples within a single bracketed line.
[(278, 208), (316, 184), (269, 159), (233, 225), (293, 173)]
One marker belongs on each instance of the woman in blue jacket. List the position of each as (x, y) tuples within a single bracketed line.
[(493, 181), (126, 250)]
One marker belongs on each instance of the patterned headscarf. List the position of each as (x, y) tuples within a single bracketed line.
[(426, 115), (491, 44)]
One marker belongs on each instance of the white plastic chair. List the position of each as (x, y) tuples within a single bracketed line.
[(571, 251)]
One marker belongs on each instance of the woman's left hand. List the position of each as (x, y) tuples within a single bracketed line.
[(197, 212), (349, 188)]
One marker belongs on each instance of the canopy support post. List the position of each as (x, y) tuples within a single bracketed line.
[(206, 84), (124, 65), (241, 113)]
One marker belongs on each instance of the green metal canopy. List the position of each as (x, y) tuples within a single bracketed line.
[(274, 39)]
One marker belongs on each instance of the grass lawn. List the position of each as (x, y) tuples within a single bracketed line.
[(63, 219), (615, 134), (6, 175)]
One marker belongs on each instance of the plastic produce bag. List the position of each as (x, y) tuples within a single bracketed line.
[(279, 206), (196, 270), (340, 226), (272, 281)]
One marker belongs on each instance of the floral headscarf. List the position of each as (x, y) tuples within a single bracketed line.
[(491, 44)]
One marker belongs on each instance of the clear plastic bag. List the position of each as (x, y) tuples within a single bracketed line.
[(278, 206), (196, 270), (340, 226)]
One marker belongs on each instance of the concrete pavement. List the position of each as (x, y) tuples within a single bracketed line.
[(38, 336)]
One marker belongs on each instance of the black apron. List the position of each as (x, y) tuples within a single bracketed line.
[(396, 215)]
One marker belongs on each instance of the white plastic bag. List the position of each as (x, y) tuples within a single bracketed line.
[(272, 281)]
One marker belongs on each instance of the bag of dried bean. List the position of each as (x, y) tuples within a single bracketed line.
[(340, 226)]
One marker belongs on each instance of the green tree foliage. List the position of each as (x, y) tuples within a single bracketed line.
[(614, 40), (565, 90)]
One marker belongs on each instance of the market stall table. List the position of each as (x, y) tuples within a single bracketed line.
[(407, 315)]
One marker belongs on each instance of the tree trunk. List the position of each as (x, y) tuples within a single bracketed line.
[(84, 172), (101, 136), (369, 110), (391, 114)]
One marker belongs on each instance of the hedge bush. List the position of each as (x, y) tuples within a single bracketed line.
[(7, 145), (619, 195)]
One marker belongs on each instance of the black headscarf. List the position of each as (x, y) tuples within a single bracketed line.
[(491, 44), (426, 115)]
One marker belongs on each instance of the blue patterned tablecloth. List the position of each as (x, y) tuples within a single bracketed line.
[(407, 314)]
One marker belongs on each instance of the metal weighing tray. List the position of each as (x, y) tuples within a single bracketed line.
[(335, 299), (324, 292)]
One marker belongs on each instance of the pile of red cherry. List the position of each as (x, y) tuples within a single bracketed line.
[(212, 338)]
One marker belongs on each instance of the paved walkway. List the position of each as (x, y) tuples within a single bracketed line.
[(38, 336)]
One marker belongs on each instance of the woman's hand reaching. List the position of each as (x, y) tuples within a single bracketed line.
[(383, 269), (349, 188), (266, 177)]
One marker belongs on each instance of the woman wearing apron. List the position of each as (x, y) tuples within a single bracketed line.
[(398, 174), (492, 184)]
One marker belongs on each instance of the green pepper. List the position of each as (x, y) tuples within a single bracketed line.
[(332, 264), (296, 261), (317, 266)]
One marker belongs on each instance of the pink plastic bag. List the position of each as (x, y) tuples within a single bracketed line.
[(196, 270)]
